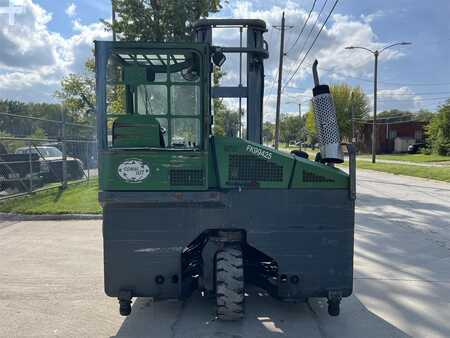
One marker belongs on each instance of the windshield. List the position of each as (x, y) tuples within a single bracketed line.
[(165, 86)]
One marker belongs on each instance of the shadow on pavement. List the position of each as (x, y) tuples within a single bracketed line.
[(265, 317)]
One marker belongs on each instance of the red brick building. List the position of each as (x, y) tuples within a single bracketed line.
[(391, 136)]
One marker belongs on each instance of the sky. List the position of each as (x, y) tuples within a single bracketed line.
[(46, 40)]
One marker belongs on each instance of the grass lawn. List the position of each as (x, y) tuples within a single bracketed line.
[(435, 173), (80, 198), (411, 157)]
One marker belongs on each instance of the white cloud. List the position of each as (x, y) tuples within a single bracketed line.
[(402, 98), (372, 16), (71, 10), (335, 62), (33, 59)]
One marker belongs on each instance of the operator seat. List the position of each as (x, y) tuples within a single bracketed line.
[(137, 131)]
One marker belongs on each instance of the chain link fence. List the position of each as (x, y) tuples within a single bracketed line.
[(44, 150)]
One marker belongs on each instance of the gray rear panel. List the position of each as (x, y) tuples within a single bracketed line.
[(309, 233)]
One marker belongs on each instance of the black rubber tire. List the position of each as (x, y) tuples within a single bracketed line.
[(333, 308), (230, 284), (124, 308)]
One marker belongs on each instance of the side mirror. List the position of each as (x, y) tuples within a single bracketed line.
[(219, 58)]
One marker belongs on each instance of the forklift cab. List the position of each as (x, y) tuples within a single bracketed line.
[(154, 98)]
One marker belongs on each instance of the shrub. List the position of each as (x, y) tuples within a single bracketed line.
[(438, 131)]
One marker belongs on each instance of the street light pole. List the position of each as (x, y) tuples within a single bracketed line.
[(352, 107), (376, 54), (375, 87)]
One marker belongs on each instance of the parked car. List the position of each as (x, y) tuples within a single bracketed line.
[(51, 160), (17, 173), (415, 147)]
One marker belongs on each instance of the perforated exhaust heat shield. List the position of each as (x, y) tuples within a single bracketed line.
[(326, 122)]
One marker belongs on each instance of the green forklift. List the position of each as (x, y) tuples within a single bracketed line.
[(185, 210)]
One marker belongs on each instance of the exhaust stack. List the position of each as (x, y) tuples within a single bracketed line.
[(326, 121)]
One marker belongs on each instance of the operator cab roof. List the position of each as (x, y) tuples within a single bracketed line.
[(230, 22)]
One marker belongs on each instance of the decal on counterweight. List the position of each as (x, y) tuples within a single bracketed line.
[(259, 152), (133, 170)]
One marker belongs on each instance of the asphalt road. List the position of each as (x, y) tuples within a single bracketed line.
[(51, 279)]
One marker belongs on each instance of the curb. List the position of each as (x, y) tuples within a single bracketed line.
[(48, 217)]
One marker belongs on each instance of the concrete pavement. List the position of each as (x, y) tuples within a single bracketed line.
[(51, 279)]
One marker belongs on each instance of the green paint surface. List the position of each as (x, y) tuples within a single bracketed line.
[(160, 164), (243, 163), (310, 174)]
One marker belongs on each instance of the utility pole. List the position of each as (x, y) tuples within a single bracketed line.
[(300, 110), (113, 16), (280, 78)]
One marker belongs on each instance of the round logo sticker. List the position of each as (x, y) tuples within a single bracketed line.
[(133, 170)]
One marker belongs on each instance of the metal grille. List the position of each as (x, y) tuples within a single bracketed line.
[(312, 177), (252, 168), (186, 177)]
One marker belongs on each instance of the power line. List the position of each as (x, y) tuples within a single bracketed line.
[(413, 94), (302, 48), (304, 25), (312, 29), (383, 82), (417, 84), (309, 34), (424, 99), (313, 43)]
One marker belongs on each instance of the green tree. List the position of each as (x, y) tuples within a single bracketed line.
[(310, 126), (226, 122), (39, 133), (268, 132), (137, 20), (10, 145), (395, 113), (159, 20), (78, 91), (438, 130), (21, 127), (349, 101), (424, 115), (291, 128)]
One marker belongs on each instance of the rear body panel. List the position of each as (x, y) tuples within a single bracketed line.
[(308, 233)]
